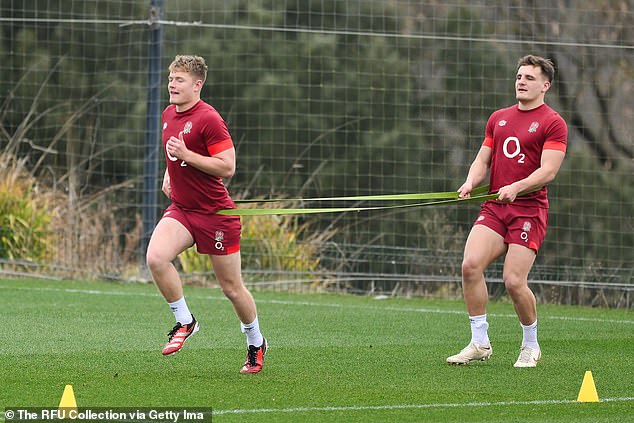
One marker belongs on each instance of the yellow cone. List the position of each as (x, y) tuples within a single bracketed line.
[(68, 402), (588, 392)]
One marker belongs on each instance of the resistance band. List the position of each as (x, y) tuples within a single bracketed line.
[(385, 197), (452, 198)]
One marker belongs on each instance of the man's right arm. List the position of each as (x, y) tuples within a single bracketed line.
[(477, 172), (167, 187)]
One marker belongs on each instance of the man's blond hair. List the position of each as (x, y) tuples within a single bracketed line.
[(194, 65)]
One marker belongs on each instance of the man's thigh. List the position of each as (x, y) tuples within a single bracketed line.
[(483, 246), (169, 239)]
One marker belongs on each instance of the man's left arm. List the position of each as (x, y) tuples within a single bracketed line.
[(551, 161)]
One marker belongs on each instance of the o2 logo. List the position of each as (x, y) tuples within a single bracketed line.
[(219, 236), (180, 136), (525, 230), (511, 149)]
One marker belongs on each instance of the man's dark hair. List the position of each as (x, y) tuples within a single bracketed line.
[(547, 66)]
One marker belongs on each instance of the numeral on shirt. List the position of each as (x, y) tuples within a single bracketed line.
[(173, 159)]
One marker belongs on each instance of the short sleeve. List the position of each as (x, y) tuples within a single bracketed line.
[(216, 133), (556, 135)]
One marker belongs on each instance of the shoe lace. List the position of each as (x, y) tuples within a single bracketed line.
[(252, 355), (174, 330), (525, 354)]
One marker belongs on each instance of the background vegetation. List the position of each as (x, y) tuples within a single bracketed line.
[(323, 98)]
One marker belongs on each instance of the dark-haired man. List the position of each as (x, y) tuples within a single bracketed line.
[(524, 147)]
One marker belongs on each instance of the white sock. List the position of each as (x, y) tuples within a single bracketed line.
[(181, 311), (252, 330), (479, 328), (530, 336)]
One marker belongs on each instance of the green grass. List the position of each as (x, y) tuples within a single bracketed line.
[(331, 358)]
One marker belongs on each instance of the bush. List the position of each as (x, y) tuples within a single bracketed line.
[(25, 232)]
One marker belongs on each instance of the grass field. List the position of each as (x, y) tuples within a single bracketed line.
[(331, 358)]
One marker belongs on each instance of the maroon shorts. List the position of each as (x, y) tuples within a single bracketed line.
[(516, 224), (213, 234)]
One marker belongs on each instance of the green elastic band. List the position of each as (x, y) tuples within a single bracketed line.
[(271, 212), (385, 197)]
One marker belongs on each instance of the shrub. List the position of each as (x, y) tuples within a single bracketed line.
[(25, 219)]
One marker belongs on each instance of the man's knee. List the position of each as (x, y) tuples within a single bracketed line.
[(151, 259), (471, 269), (155, 260), (232, 289), (515, 284)]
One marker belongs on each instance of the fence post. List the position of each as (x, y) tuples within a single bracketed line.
[(153, 122)]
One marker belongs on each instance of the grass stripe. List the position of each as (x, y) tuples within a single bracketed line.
[(401, 406), (409, 406), (318, 304)]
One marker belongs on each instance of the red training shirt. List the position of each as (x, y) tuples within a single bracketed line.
[(517, 139), (204, 132)]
